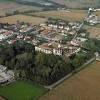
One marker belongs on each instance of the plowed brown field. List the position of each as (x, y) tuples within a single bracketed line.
[(84, 85), (22, 18), (73, 15)]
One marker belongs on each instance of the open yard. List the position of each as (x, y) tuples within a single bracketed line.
[(22, 18), (84, 85), (21, 90), (74, 15)]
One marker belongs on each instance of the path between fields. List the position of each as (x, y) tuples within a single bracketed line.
[(69, 75)]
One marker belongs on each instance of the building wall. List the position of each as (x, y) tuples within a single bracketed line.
[(47, 51)]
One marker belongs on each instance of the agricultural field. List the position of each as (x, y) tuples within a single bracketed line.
[(10, 7), (21, 90), (79, 3), (85, 85), (22, 18), (73, 15), (2, 13), (94, 31), (97, 13)]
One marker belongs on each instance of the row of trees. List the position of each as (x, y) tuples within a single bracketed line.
[(36, 66)]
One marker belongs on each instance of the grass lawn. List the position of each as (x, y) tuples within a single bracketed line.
[(21, 90)]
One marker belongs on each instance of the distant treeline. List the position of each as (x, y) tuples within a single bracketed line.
[(36, 3)]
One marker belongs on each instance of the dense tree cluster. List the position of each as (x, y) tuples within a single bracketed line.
[(37, 66), (93, 45)]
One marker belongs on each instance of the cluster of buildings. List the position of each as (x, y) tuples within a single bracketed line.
[(60, 38), (52, 37), (12, 33), (4, 34), (6, 76), (92, 18)]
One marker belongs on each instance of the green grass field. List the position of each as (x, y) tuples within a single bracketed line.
[(21, 90)]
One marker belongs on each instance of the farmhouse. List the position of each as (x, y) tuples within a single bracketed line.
[(70, 50), (50, 48)]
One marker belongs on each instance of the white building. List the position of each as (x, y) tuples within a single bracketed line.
[(48, 49), (6, 76)]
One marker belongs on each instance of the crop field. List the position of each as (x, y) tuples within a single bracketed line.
[(79, 3), (21, 90), (98, 13), (2, 13), (9, 7), (85, 85), (94, 31), (77, 15), (22, 18)]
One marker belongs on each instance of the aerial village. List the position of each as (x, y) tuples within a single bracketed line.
[(49, 49), (56, 37)]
